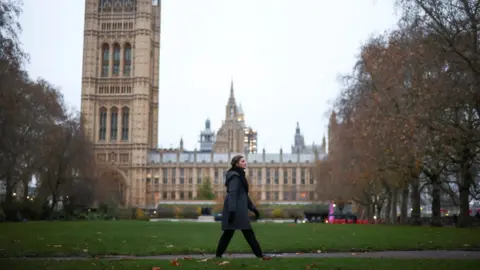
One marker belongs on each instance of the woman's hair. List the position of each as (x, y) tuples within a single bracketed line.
[(235, 160)]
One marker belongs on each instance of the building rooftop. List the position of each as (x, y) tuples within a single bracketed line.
[(155, 157)]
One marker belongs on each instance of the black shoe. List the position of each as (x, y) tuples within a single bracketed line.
[(265, 258)]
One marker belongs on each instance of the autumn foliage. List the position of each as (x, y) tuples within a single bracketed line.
[(40, 137), (405, 128)]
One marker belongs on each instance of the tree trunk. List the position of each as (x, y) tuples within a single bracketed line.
[(404, 206), (368, 212), (361, 212), (9, 207), (379, 212), (25, 183), (388, 207), (464, 192), (415, 199), (436, 205), (394, 206)]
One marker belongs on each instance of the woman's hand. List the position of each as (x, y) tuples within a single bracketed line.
[(257, 214), (231, 217)]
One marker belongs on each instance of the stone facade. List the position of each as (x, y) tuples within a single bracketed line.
[(273, 177), (120, 105), (120, 88)]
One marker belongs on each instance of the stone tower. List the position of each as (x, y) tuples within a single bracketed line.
[(207, 138), (120, 89), (299, 146), (230, 136)]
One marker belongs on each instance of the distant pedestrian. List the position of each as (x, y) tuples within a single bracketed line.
[(235, 209)]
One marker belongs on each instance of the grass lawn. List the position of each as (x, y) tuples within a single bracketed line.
[(337, 264), (153, 238)]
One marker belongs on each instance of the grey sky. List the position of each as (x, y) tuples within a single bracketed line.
[(283, 55)]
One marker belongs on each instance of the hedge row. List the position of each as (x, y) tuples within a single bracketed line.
[(193, 212)]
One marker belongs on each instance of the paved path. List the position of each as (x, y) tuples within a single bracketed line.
[(437, 254)]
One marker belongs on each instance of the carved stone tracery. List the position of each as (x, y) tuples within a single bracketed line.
[(117, 5)]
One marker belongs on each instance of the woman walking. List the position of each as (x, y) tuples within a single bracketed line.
[(235, 209)]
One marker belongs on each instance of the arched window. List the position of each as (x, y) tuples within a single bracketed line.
[(116, 59), (105, 59), (113, 124), (125, 122), (127, 60), (103, 124)]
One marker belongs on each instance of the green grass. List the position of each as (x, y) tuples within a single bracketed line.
[(337, 264), (150, 238)]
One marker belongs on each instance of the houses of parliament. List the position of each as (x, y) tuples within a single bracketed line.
[(120, 86)]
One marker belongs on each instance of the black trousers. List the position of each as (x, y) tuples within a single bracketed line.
[(249, 236)]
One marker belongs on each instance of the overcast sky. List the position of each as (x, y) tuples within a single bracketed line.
[(284, 57)]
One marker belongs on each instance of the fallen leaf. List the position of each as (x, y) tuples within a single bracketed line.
[(319, 251), (174, 262), (187, 258), (353, 254), (298, 253), (266, 258), (169, 246), (85, 250), (57, 246), (204, 260), (223, 263), (309, 266), (156, 268)]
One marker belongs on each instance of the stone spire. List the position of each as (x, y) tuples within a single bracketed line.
[(232, 95), (231, 112)]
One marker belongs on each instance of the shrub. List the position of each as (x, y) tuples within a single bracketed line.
[(2, 215), (177, 212), (277, 213), (92, 216), (30, 210), (82, 216), (294, 213), (139, 214), (189, 212), (165, 211), (125, 213), (19, 210), (108, 210), (265, 212), (144, 218)]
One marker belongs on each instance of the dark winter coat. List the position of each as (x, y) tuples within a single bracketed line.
[(237, 200)]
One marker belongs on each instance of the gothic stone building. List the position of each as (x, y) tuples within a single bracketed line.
[(120, 105)]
